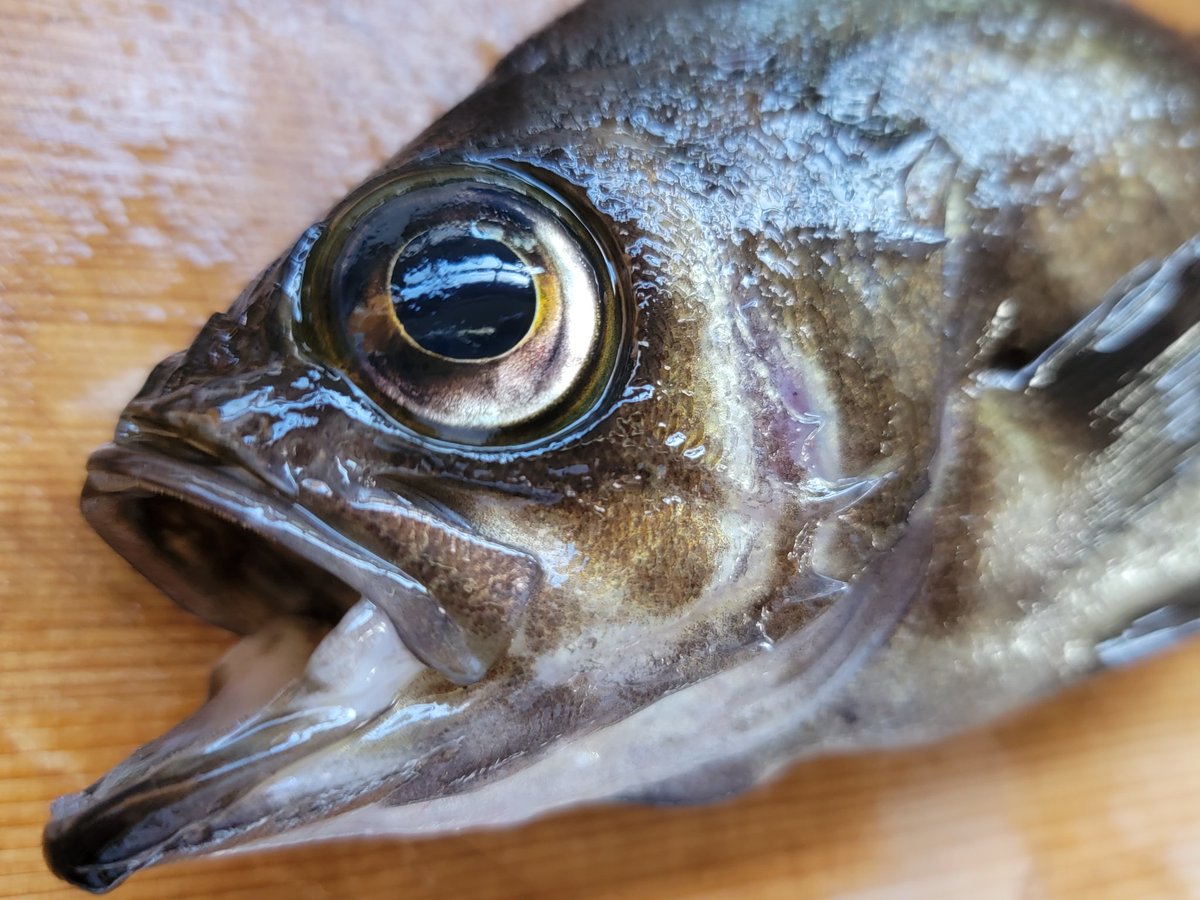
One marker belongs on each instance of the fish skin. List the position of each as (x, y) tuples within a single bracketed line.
[(877, 527)]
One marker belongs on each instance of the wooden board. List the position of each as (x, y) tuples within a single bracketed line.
[(152, 157)]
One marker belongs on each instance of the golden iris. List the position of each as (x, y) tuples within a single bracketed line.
[(472, 303)]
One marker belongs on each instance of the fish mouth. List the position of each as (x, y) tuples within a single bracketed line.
[(215, 542), (337, 633), (236, 552)]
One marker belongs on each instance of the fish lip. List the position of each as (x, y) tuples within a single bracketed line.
[(122, 475)]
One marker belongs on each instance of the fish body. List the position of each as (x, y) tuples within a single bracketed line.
[(721, 384)]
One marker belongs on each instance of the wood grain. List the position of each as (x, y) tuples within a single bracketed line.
[(152, 157)]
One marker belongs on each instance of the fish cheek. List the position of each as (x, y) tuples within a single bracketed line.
[(637, 537), (629, 564)]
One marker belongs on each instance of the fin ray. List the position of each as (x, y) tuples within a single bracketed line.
[(1123, 385)]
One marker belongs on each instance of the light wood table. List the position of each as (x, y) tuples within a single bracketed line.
[(152, 157)]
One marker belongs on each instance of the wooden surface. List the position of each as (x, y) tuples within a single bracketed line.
[(152, 158)]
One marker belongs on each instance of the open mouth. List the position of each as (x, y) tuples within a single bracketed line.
[(238, 555), (211, 542), (336, 633)]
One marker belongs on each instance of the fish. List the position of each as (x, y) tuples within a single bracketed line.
[(724, 383)]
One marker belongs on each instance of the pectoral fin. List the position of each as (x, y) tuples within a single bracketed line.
[(1092, 445), (1123, 385)]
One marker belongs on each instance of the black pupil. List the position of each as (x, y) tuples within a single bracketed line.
[(464, 297)]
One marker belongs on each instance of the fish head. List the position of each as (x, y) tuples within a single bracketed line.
[(466, 437), (627, 437)]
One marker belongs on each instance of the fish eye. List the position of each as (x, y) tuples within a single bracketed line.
[(475, 305), (464, 297)]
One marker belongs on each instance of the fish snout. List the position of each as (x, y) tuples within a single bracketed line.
[(254, 334)]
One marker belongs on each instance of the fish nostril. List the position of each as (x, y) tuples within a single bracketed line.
[(221, 358), (213, 351)]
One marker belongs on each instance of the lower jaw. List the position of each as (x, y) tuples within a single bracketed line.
[(282, 699)]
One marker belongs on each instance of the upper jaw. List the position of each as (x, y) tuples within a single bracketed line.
[(154, 509)]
